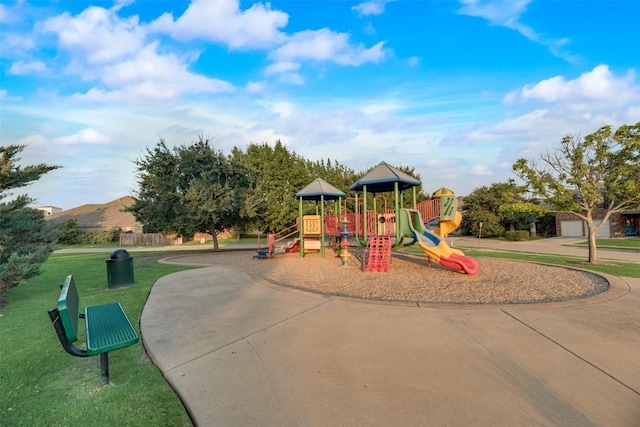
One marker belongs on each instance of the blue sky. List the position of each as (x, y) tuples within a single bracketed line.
[(457, 89)]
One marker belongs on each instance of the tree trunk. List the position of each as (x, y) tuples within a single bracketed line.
[(216, 247), (593, 250)]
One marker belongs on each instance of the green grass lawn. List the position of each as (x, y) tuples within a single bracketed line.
[(632, 243), (43, 385)]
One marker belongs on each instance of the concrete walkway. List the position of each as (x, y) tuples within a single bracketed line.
[(243, 353)]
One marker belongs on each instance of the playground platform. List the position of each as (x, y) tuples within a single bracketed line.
[(242, 352)]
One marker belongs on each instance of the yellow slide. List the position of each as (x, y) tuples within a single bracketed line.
[(434, 246), (447, 227)]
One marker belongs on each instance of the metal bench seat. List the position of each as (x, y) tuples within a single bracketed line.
[(107, 327)]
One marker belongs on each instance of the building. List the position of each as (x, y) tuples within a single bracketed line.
[(569, 225), (49, 210), (95, 217)]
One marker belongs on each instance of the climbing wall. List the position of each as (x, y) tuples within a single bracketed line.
[(378, 254)]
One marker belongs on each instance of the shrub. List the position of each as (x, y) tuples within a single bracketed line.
[(517, 236), (68, 232), (99, 237)]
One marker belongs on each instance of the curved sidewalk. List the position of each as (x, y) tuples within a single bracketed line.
[(240, 352)]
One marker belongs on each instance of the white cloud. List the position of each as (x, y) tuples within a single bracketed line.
[(561, 106), (282, 67), (86, 136), (324, 45), (598, 84), (223, 22), (506, 13), (4, 13), (413, 61), (22, 67), (4, 95), (159, 76), (480, 170), (375, 7), (255, 87), (11, 14), (16, 45), (283, 108), (115, 53), (97, 35), (497, 12)]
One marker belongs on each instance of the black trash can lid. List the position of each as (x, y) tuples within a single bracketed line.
[(120, 254)]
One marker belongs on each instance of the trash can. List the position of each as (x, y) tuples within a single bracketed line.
[(119, 269)]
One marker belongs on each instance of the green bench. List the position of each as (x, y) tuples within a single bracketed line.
[(107, 327)]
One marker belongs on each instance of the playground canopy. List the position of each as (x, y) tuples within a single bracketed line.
[(383, 178), (318, 190)]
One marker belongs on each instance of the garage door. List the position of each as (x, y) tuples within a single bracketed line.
[(605, 231), (574, 229), (571, 228)]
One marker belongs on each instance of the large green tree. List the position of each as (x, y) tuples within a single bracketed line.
[(25, 239), (599, 171), (485, 203), (192, 188), (281, 173)]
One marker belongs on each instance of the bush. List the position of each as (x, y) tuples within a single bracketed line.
[(99, 237), (517, 236), (68, 232)]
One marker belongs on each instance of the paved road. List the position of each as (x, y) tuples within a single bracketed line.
[(242, 353)]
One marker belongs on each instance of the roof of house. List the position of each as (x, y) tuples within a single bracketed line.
[(108, 215)]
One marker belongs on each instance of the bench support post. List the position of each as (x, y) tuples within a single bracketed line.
[(104, 367), (54, 315)]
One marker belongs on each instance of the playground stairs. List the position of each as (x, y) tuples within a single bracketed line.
[(378, 254)]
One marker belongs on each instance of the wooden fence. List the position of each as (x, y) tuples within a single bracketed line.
[(142, 239)]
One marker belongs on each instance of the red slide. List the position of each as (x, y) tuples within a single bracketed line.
[(460, 263), (293, 248)]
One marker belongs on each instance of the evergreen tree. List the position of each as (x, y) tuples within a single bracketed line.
[(26, 241), (280, 174)]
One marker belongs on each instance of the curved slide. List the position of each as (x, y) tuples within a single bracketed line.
[(446, 227), (434, 246)]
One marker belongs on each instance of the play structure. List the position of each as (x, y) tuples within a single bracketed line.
[(371, 223)]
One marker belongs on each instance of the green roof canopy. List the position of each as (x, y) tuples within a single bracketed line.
[(319, 189), (383, 177)]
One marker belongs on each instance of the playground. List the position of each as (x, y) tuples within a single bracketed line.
[(361, 252), (376, 223)]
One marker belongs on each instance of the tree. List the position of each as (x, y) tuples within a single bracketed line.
[(522, 214), (191, 189), (484, 204), (280, 174), (599, 171), (68, 232), (26, 241)]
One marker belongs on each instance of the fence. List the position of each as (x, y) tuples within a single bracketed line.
[(142, 239)]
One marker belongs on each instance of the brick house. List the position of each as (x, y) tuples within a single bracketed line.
[(569, 225)]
